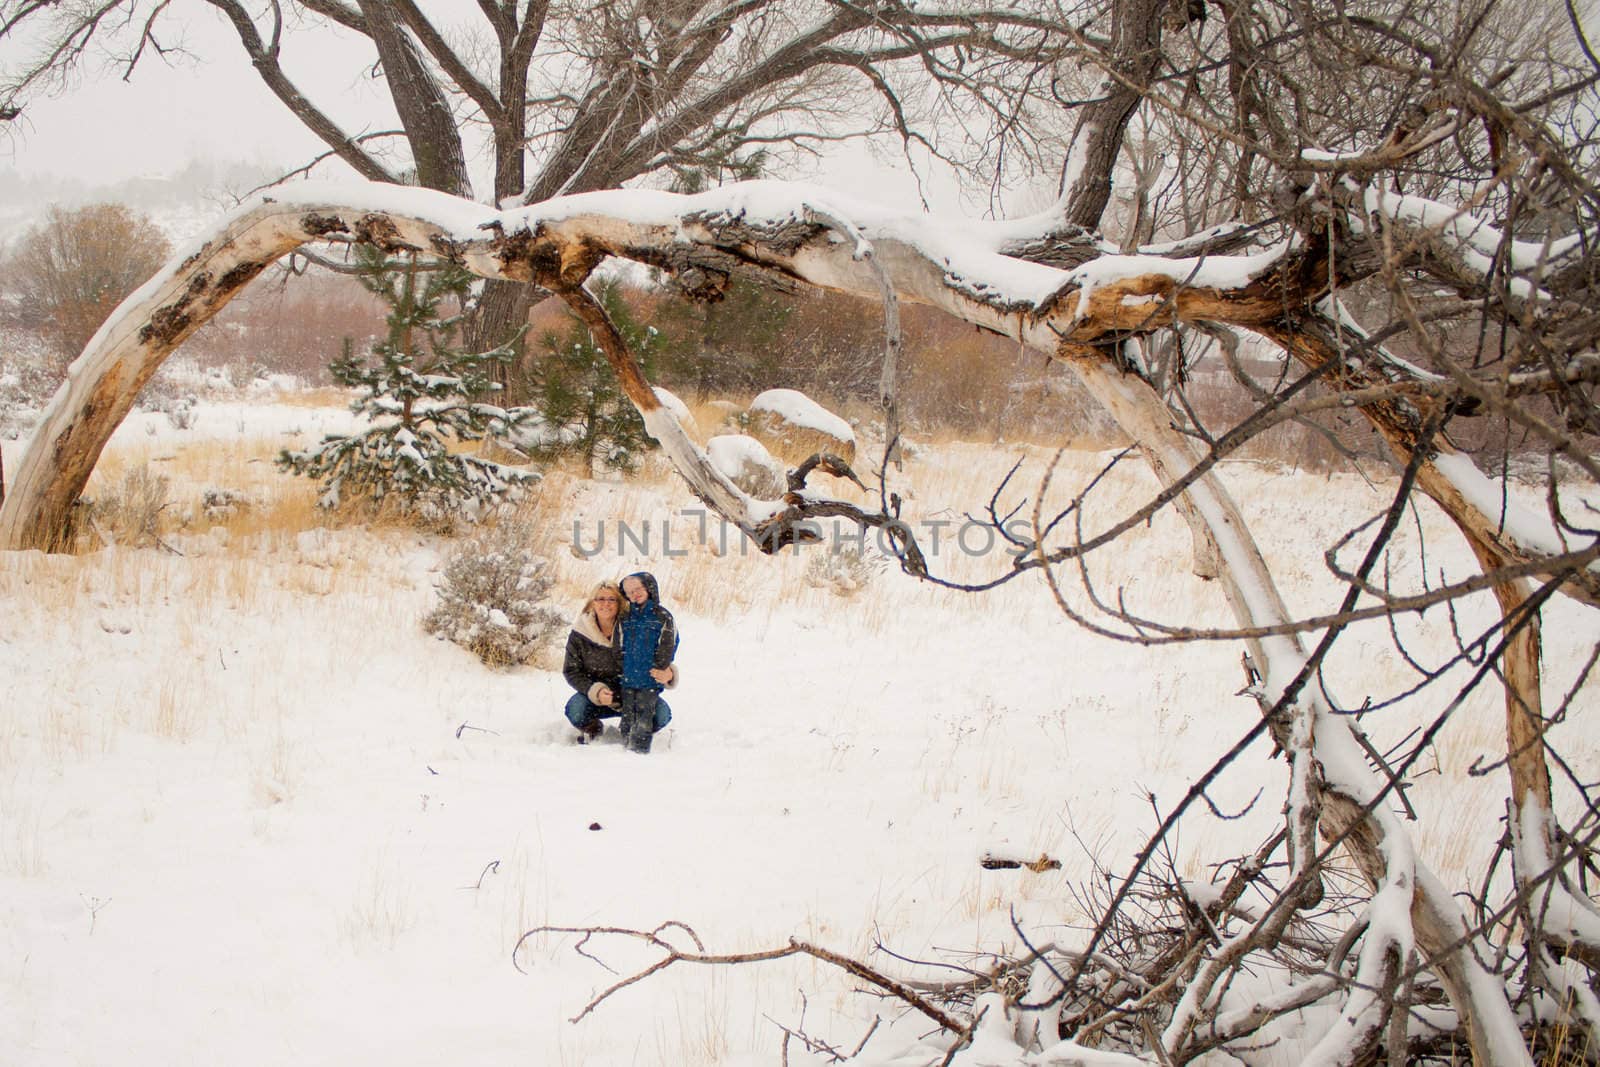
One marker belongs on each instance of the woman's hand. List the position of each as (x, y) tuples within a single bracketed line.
[(605, 697), (663, 674)]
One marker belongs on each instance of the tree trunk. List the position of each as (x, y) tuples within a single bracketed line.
[(424, 111), (1097, 139), (501, 317)]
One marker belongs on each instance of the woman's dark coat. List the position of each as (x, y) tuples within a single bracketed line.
[(591, 660)]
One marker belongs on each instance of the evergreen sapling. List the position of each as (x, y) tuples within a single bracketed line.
[(419, 390), (582, 409)]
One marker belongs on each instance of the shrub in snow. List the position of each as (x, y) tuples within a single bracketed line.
[(130, 514), (795, 427), (420, 392), (179, 408), (19, 412), (491, 599), (748, 464), (266, 381), (218, 504), (31, 377), (845, 571), (181, 414)]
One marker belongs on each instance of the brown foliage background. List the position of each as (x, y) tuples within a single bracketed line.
[(72, 270)]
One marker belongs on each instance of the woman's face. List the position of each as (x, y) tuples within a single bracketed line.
[(605, 605)]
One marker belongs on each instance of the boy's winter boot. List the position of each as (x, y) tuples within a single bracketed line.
[(639, 712)]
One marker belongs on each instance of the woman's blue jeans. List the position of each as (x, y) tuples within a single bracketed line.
[(580, 712)]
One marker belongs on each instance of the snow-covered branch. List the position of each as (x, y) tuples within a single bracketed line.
[(764, 226)]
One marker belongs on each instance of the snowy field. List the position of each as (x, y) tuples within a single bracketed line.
[(250, 813)]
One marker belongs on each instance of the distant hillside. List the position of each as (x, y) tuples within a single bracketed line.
[(181, 203)]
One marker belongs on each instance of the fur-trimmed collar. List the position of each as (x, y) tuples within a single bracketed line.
[(589, 627)]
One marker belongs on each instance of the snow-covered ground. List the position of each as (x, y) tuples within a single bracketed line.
[(251, 814)]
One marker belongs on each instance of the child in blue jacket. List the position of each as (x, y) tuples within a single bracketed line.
[(649, 640)]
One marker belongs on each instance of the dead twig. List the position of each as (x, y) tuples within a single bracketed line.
[(889, 985)]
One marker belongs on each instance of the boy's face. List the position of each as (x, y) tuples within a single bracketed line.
[(634, 590)]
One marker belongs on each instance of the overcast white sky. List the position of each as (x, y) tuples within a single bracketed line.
[(206, 105), (209, 105)]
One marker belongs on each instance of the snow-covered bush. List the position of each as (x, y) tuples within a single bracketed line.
[(29, 375), (491, 599), (843, 570), (19, 410), (218, 504), (793, 427), (179, 410), (174, 391)]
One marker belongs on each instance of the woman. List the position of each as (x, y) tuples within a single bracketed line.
[(593, 666)]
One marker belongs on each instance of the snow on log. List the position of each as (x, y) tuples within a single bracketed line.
[(764, 226), (1534, 533), (674, 404), (747, 462), (1477, 246), (794, 427)]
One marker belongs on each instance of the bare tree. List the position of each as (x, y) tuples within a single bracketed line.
[(578, 95), (1402, 208), (73, 269)]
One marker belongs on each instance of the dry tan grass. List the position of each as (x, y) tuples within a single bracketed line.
[(713, 415), (523, 903), (718, 576), (22, 850), (700, 1033), (381, 910), (176, 714), (1025, 434), (326, 396)]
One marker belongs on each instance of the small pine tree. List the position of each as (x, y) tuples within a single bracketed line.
[(419, 390), (582, 410), (740, 342)]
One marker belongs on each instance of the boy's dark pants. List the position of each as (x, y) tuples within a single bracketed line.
[(639, 718)]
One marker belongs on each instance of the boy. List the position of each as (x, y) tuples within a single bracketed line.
[(649, 641)]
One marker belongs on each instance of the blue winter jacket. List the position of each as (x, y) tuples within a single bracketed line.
[(649, 638)]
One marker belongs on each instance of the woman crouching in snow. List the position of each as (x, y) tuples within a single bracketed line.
[(593, 666)]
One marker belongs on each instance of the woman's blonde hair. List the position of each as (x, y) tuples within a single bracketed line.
[(606, 587)]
